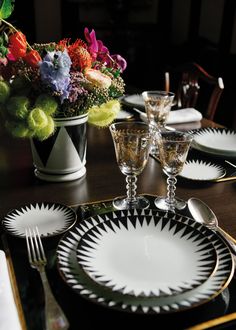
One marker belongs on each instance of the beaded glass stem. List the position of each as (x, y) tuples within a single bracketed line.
[(173, 151), (132, 142)]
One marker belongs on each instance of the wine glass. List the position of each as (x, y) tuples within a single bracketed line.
[(173, 151), (132, 142), (157, 106)]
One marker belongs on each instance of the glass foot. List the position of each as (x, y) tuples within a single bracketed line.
[(161, 204), (123, 203)]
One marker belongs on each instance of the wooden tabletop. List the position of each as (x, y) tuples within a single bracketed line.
[(103, 180)]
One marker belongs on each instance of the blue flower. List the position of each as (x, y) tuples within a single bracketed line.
[(55, 72)]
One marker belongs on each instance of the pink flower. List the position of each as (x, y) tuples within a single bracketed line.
[(96, 48)]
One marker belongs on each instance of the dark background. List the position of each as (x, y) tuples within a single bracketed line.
[(153, 35)]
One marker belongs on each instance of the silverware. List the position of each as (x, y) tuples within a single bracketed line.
[(228, 178), (203, 214), (54, 316), (226, 161)]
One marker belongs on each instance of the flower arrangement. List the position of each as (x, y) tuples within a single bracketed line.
[(41, 82)]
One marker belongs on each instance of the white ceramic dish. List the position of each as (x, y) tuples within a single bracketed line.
[(78, 280), (217, 141), (134, 100), (50, 218), (200, 170), (129, 256)]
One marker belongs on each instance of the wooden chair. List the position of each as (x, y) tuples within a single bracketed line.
[(187, 81)]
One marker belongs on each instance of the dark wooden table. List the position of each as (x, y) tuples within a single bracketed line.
[(103, 181)]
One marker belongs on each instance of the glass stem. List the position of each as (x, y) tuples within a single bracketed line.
[(170, 200), (131, 188)]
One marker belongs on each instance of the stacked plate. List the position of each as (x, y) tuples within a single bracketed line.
[(216, 141), (144, 261)]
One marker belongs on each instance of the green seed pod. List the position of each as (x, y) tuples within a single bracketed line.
[(45, 132), (18, 106), (4, 91), (47, 103), (37, 119)]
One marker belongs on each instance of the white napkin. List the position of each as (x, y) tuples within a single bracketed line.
[(9, 318), (186, 115)]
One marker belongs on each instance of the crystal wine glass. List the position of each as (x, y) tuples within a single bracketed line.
[(157, 106), (132, 142), (173, 151)]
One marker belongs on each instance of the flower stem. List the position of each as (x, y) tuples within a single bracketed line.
[(14, 29)]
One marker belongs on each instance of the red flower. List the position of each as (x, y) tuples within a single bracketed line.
[(32, 58), (17, 46)]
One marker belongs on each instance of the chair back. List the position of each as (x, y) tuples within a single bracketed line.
[(193, 80)]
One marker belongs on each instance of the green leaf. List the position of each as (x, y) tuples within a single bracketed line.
[(6, 8)]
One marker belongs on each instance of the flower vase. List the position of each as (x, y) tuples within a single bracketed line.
[(62, 156)]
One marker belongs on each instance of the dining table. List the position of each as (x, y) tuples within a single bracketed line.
[(88, 195)]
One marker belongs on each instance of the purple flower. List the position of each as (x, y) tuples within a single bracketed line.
[(96, 48), (55, 72)]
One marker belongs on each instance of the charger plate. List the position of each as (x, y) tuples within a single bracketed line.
[(50, 218), (74, 275), (216, 141), (129, 255), (200, 170)]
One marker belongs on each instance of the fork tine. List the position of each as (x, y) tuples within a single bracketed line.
[(43, 257), (28, 245)]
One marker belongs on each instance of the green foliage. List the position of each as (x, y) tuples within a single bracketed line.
[(18, 107), (47, 103), (6, 8), (4, 91)]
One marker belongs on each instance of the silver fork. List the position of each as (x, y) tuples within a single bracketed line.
[(54, 316)]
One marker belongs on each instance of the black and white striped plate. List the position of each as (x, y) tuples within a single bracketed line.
[(128, 255), (75, 276), (50, 218)]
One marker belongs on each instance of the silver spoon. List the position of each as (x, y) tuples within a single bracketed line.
[(203, 214)]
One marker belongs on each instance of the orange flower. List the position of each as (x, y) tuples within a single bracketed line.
[(32, 58), (17, 47), (79, 55)]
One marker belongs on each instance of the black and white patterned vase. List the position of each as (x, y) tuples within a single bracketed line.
[(62, 157)]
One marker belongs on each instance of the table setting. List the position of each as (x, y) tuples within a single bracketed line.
[(182, 269)]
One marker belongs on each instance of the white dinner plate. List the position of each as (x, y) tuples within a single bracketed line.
[(50, 218), (200, 170), (129, 256), (133, 100), (217, 141), (74, 275)]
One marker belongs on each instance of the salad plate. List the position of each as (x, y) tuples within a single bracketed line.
[(50, 218), (216, 141), (200, 170), (133, 100), (128, 255), (75, 276)]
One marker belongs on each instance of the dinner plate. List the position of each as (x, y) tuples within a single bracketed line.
[(133, 100), (50, 218), (128, 255), (73, 274), (200, 170), (217, 141)]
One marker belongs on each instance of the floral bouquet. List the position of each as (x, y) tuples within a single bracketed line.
[(41, 82)]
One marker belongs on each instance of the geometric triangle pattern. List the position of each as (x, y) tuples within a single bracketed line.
[(76, 278), (62, 153)]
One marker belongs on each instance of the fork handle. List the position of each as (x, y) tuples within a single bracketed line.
[(54, 316)]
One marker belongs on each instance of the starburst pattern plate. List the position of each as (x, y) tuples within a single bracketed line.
[(129, 255), (200, 170), (50, 218), (217, 141), (74, 275)]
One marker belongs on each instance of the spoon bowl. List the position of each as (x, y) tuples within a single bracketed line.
[(202, 213)]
